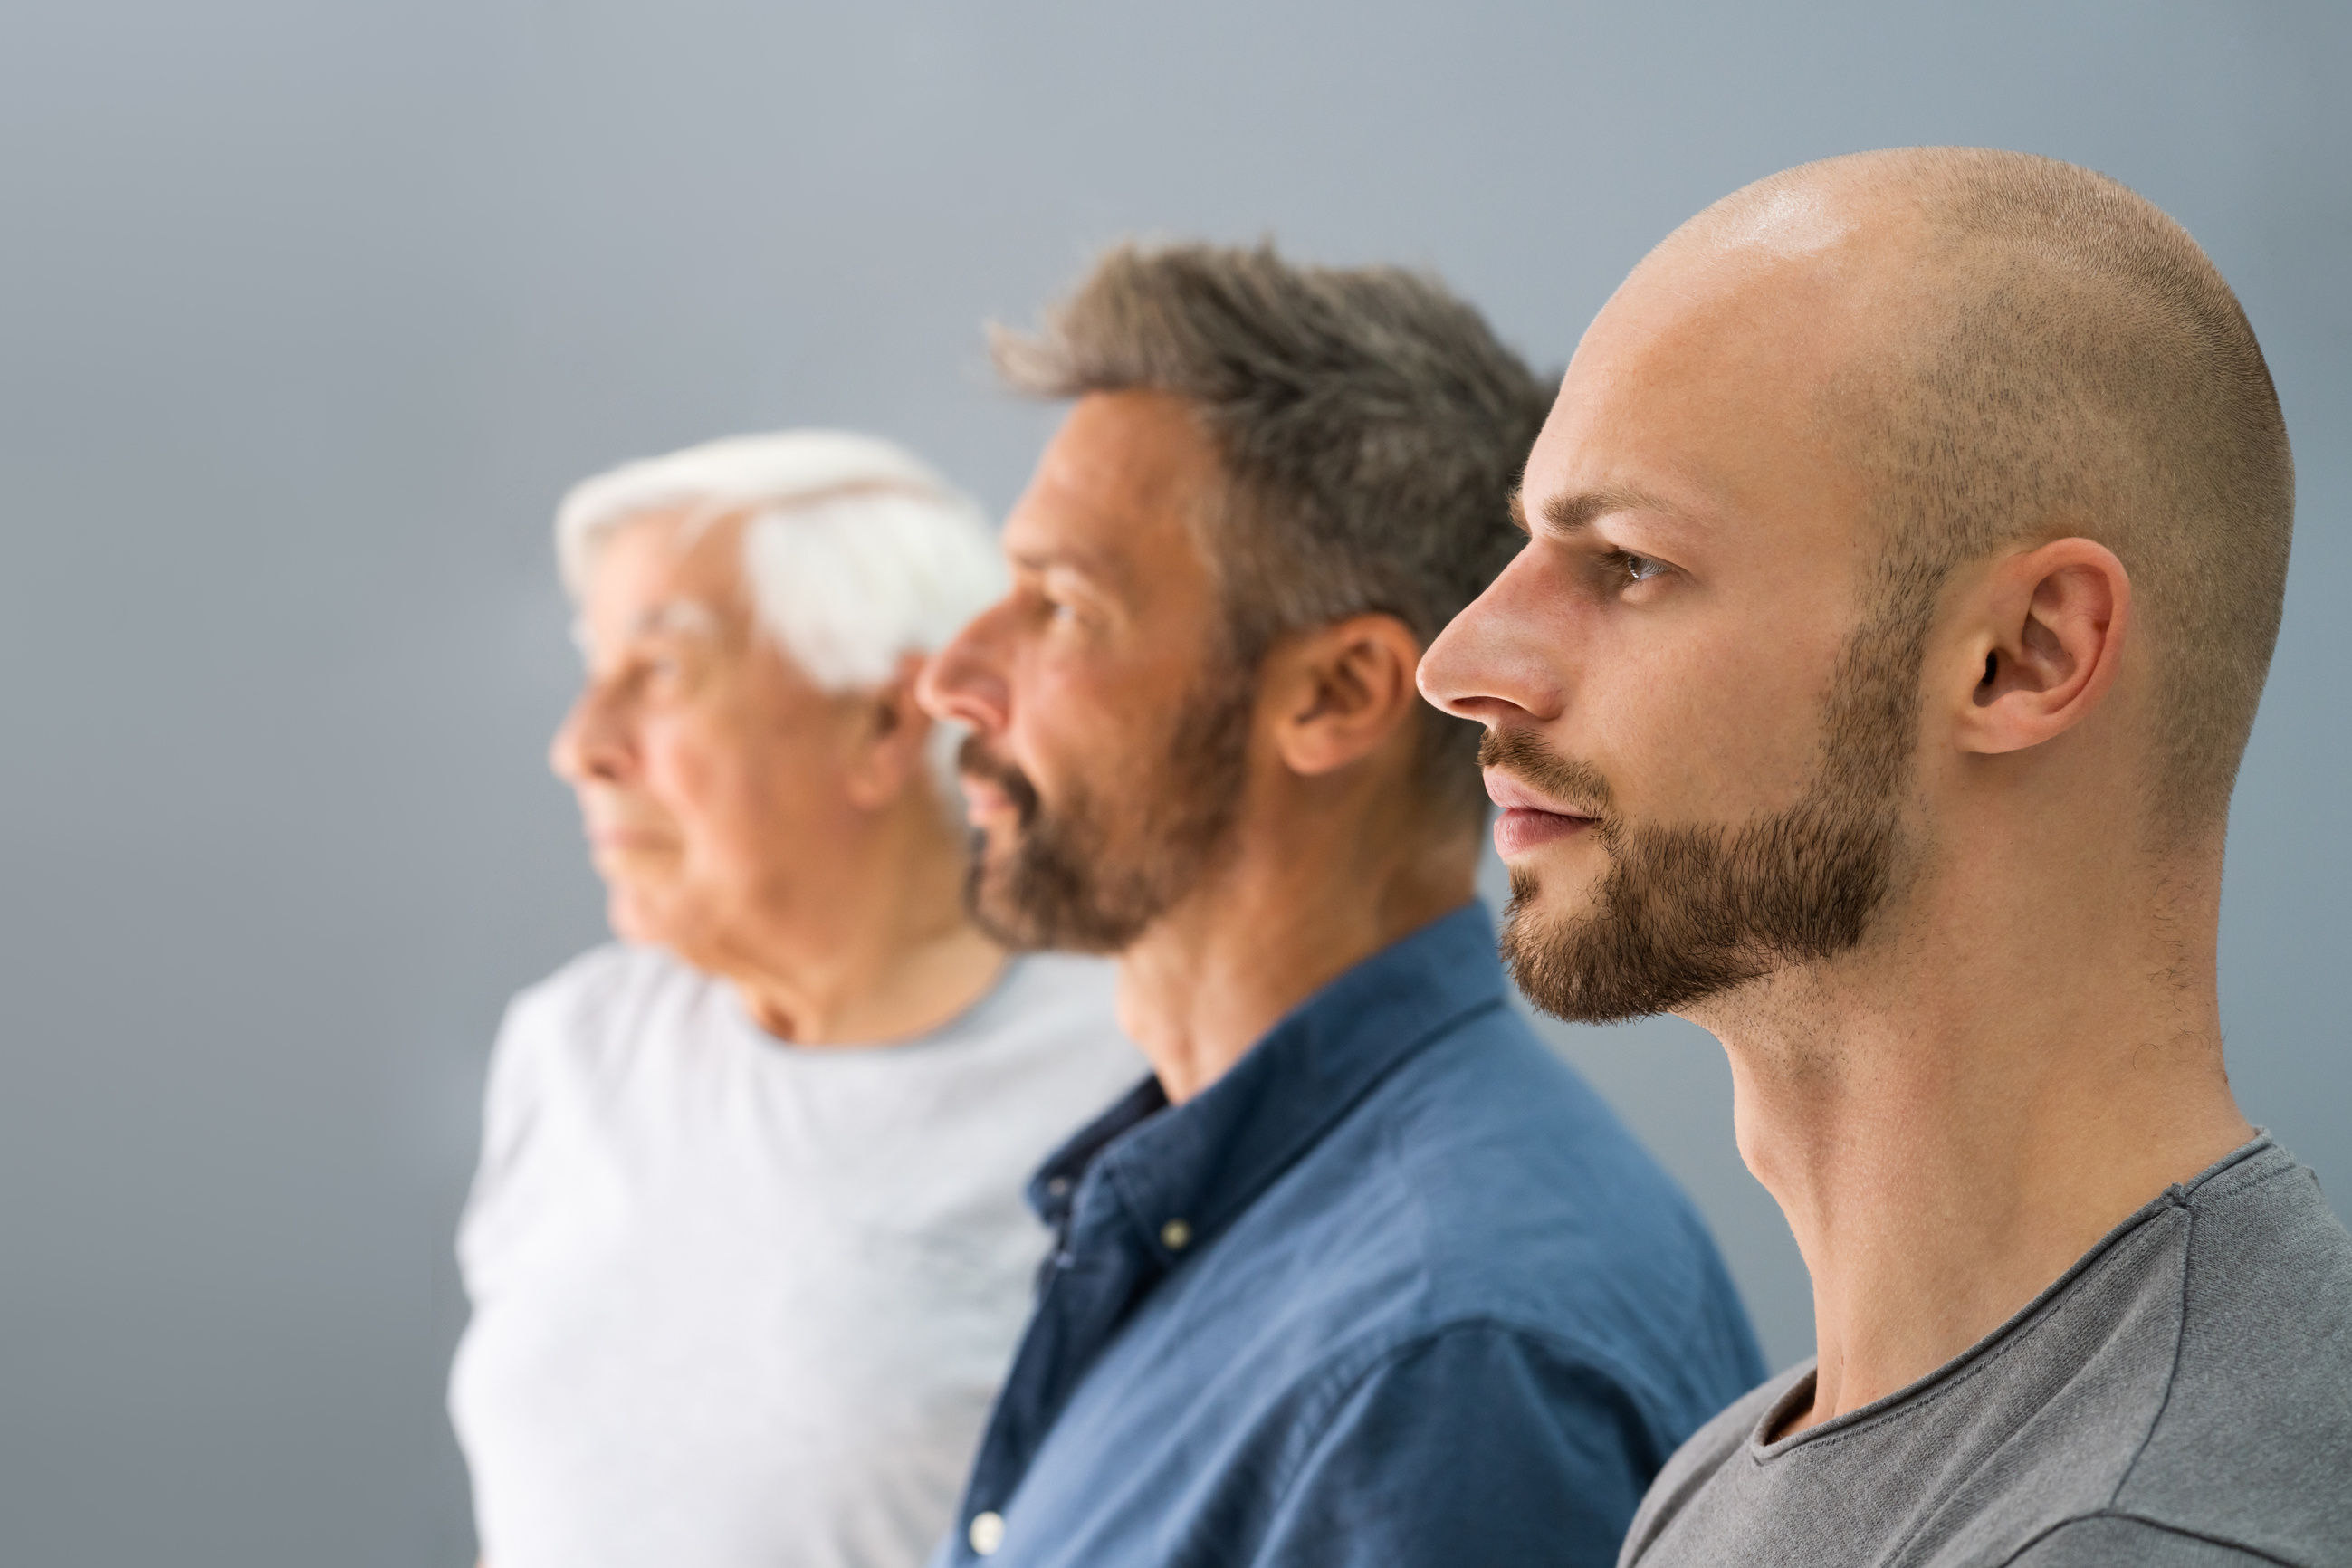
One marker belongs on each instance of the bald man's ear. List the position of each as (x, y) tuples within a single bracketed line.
[(887, 733), (1336, 693), (2047, 642)]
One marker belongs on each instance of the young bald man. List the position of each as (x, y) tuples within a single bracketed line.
[(1361, 1274), (1905, 553)]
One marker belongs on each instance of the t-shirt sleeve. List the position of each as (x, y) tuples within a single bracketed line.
[(2116, 1542), (511, 1107), (1478, 1445), (510, 1095)]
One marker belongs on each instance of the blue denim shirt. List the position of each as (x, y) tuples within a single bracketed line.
[(1398, 1288)]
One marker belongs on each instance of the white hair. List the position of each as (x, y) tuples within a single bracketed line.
[(857, 552)]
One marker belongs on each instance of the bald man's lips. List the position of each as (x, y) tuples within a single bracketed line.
[(1528, 821), (1519, 830)]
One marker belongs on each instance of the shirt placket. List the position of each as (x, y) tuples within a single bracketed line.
[(1096, 1268)]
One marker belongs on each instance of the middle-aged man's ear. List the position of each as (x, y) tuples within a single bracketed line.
[(1338, 691), (2045, 644), (888, 735)]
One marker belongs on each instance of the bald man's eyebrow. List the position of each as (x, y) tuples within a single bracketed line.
[(1572, 514)]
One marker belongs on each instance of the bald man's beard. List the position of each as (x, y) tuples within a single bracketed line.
[(1091, 873), (1687, 913)]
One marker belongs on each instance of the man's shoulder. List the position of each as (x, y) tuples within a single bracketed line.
[(1498, 1152), (1706, 1452), (2255, 1436), (2191, 1380), (1484, 1186), (1486, 1088), (1019, 1069)]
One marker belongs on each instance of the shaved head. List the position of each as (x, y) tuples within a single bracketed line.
[(2041, 352), (1789, 466)]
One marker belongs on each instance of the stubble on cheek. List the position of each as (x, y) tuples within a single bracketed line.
[(1089, 872)]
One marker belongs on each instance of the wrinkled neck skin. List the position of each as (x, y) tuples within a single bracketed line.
[(887, 953), (1319, 878), (1955, 1112)]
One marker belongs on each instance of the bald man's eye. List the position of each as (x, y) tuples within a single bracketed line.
[(1629, 568)]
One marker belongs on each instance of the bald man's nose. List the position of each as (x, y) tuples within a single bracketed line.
[(1486, 664)]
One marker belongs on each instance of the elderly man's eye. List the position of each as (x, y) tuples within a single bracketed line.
[(664, 672)]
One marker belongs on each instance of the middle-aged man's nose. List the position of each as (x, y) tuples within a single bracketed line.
[(962, 683)]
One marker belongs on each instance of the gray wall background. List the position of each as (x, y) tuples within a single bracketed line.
[(308, 313)]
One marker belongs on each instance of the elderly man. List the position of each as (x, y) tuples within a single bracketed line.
[(1908, 545), (746, 1251), (1362, 1275)]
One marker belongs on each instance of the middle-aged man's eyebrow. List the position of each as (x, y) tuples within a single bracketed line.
[(1097, 565)]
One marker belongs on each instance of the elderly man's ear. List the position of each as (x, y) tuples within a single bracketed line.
[(1336, 694), (888, 730)]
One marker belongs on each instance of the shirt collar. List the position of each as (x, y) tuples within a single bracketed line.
[(1182, 1172)]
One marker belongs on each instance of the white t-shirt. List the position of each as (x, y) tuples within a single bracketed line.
[(743, 1305)]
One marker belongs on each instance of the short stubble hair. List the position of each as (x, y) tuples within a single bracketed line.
[(2087, 370)]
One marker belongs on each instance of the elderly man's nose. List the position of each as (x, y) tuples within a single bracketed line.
[(962, 683), (584, 747), (564, 752)]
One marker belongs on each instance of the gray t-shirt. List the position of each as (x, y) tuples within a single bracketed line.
[(2182, 1396)]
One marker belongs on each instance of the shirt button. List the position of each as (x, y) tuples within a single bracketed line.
[(987, 1532), (1175, 1235), (1058, 1187)]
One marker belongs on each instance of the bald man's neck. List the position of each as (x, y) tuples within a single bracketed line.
[(1953, 1115)]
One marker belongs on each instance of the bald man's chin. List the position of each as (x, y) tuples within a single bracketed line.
[(1549, 890)]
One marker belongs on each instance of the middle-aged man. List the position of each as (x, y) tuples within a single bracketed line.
[(747, 1252), (1361, 1274), (1907, 545)]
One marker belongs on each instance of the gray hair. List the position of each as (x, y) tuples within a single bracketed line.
[(857, 552), (1371, 426)]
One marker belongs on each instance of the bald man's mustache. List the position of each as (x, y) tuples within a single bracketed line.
[(1574, 783)]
